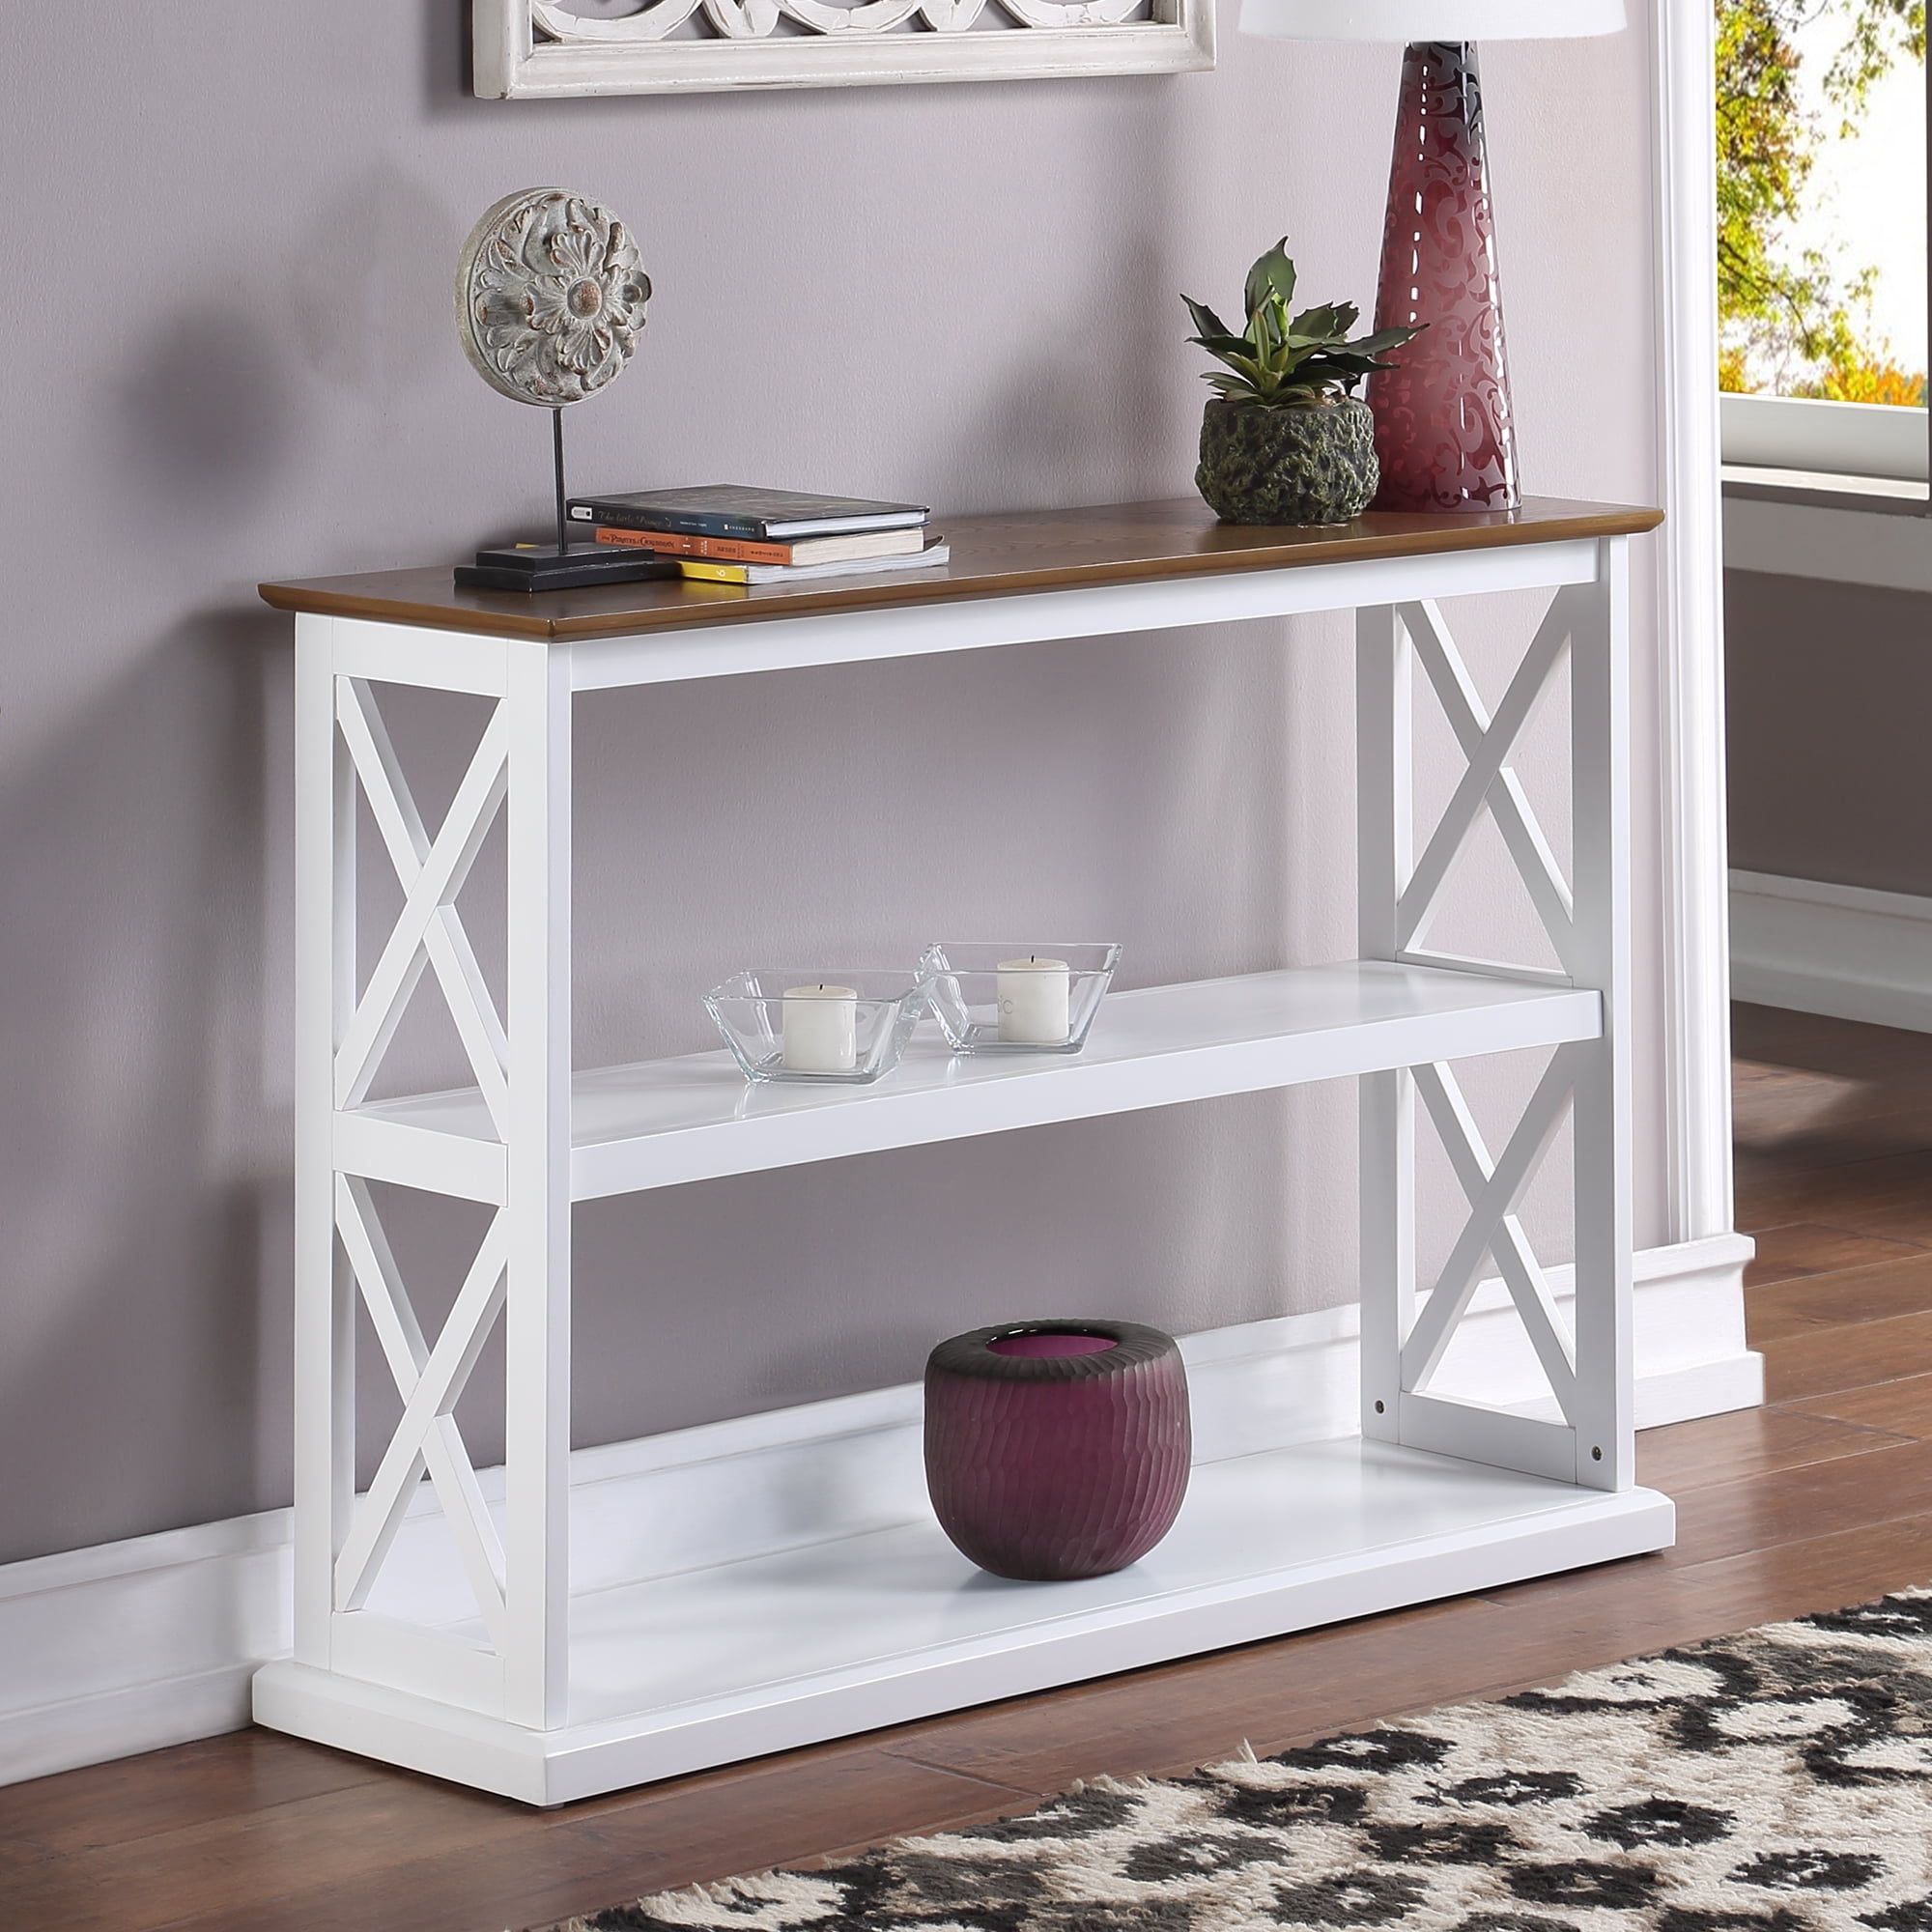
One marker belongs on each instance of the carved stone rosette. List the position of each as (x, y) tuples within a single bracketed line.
[(549, 297)]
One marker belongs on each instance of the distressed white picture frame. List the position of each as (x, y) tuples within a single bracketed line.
[(530, 48)]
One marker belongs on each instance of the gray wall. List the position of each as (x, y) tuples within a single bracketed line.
[(1828, 688), (230, 238)]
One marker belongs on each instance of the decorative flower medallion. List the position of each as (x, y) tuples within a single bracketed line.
[(549, 297)]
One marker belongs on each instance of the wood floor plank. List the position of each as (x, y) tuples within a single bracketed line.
[(17, 1855), (1793, 1505), (1774, 1322), (1832, 1139), (135, 1798), (348, 1857), (1827, 1361), (1890, 1196), (542, 1866), (1642, 1602), (1809, 1248), (1749, 1442), (371, 1827), (1902, 1408), (1843, 1299), (65, 1895)]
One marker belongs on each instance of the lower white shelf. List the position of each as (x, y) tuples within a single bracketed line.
[(712, 1666)]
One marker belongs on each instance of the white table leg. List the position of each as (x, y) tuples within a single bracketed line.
[(1600, 741), (538, 1372), (325, 1310), (1384, 834)]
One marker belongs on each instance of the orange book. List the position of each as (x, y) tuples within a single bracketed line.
[(674, 543), (841, 548)]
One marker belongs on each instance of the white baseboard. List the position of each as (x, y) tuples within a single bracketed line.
[(130, 1646), (1846, 951)]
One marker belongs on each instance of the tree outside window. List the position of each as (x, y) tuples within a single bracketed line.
[(1821, 225)]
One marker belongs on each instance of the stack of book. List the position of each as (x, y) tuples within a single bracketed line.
[(727, 534)]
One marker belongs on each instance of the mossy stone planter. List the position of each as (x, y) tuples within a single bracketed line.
[(1265, 465)]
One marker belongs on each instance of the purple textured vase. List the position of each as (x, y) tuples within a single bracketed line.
[(1057, 1449), (1446, 435)]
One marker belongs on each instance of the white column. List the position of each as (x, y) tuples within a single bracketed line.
[(1384, 835), (324, 1311), (537, 1309), (1600, 780), (1691, 649)]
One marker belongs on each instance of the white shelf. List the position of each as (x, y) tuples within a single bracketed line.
[(659, 1123), (679, 1672)]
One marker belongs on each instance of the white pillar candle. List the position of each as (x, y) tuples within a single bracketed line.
[(821, 1029), (1033, 1002)]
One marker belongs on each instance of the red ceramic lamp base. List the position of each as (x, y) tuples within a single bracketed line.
[(1445, 435)]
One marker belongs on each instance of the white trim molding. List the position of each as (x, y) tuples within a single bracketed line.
[(132, 1646), (1846, 951), (1690, 629)]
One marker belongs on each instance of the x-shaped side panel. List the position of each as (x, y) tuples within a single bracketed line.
[(1522, 1274), (1487, 744), (1494, 1189), (429, 1379), (428, 928)]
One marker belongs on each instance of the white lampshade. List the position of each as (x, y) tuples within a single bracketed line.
[(1407, 21)]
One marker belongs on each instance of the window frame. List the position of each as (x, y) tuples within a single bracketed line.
[(1825, 438), (1887, 442)]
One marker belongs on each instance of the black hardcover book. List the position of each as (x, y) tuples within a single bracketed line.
[(738, 510)]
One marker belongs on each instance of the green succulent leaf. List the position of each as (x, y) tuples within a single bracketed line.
[(1272, 274), (1343, 361), (1206, 320), (1223, 345), (1388, 338), (1289, 363), (1317, 325)]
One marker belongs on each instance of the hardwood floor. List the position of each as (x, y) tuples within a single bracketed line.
[(1819, 1500)]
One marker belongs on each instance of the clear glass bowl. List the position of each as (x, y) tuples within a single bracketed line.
[(800, 1023), (1045, 1005)]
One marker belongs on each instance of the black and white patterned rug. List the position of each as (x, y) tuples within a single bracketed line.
[(1780, 1779)]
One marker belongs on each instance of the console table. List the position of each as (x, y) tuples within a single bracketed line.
[(436, 1624)]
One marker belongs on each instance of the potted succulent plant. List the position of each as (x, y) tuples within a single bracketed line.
[(1285, 442)]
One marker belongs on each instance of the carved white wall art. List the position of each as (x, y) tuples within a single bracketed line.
[(653, 47)]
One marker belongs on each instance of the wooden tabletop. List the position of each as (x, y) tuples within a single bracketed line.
[(992, 557)]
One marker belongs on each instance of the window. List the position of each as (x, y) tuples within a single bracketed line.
[(1822, 260)]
